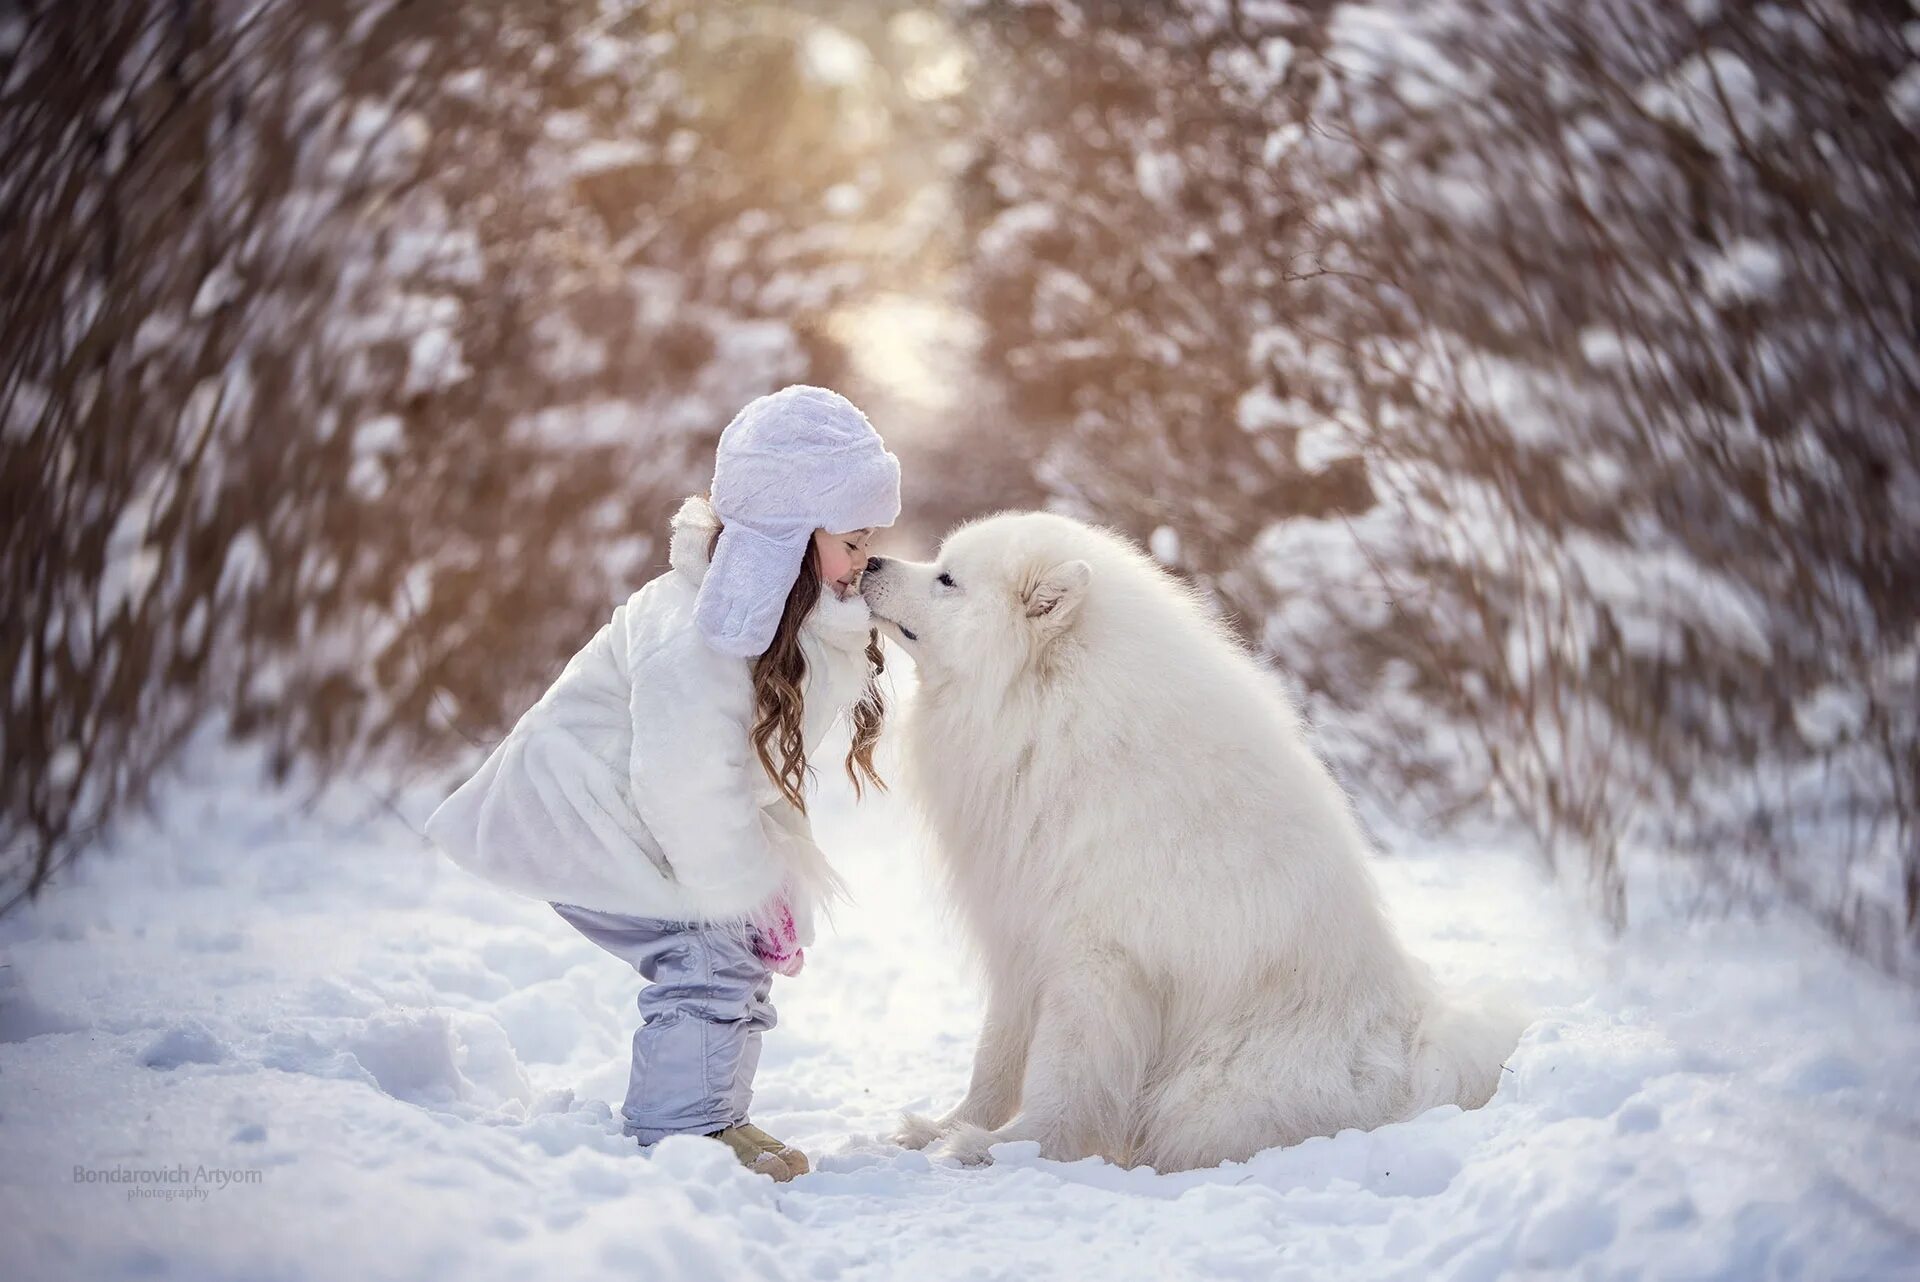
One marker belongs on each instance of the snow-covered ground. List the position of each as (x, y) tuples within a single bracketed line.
[(347, 1059)]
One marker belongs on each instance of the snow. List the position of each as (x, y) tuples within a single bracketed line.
[(593, 425), (939, 66), (1012, 229), (435, 361), (22, 409), (132, 563), (600, 54), (843, 200), (1258, 409), (1164, 543), (1747, 271), (1159, 175), (381, 434), (1655, 593), (830, 56), (607, 155), (245, 565), (1256, 74), (1323, 442), (367, 478), (1366, 43), (188, 1043), (1280, 143), (379, 145), (436, 252), (1903, 95), (158, 332), (1830, 714), (63, 765), (254, 1042), (1715, 96), (220, 287)]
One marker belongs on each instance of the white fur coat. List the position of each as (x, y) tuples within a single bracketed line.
[(631, 786)]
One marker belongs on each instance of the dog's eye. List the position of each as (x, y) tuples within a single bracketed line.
[(946, 580)]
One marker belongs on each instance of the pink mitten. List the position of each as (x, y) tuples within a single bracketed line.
[(777, 942)]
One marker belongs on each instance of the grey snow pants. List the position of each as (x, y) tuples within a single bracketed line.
[(703, 1009)]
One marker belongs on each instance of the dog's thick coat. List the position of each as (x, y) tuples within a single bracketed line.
[(1186, 957)]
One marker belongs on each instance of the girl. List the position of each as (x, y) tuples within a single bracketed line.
[(656, 793)]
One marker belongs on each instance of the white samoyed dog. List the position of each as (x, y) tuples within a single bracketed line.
[(1186, 957)]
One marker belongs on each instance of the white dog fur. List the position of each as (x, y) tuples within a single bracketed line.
[(1185, 954)]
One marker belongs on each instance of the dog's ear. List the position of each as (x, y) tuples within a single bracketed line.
[(1058, 592)]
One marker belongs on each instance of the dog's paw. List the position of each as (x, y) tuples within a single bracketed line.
[(969, 1144), (916, 1131)]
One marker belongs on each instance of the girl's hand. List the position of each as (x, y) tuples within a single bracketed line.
[(776, 941)]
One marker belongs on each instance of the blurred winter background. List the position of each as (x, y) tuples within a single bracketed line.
[(1535, 382)]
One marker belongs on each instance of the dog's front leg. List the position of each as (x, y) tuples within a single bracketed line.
[(1087, 1062), (999, 1062)]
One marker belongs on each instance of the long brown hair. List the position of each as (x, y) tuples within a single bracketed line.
[(779, 680)]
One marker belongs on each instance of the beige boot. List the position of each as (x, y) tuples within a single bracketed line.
[(762, 1161), (793, 1158)]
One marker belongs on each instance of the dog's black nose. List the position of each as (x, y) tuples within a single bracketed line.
[(874, 563)]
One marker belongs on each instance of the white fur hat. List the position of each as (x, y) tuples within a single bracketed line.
[(797, 460)]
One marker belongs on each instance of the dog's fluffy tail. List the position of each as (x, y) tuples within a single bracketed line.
[(1459, 1050)]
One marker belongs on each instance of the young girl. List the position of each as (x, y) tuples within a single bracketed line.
[(656, 793)]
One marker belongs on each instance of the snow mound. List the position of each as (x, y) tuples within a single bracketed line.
[(22, 1016), (412, 1056), (188, 1043)]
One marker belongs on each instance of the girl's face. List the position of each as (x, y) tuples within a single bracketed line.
[(842, 558)]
